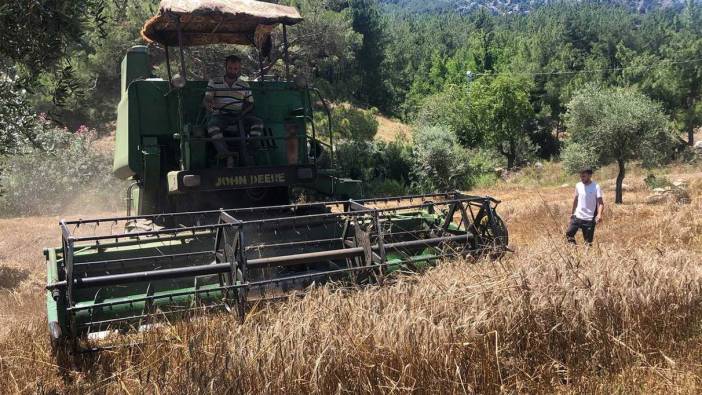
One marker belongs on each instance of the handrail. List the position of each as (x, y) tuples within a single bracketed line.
[(329, 123)]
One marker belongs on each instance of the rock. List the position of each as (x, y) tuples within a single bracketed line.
[(612, 184), (698, 145), (669, 195), (680, 183), (657, 199), (680, 195), (565, 185), (499, 171), (539, 165)]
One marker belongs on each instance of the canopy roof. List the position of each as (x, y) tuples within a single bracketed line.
[(206, 22)]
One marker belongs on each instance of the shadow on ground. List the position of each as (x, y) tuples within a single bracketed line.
[(11, 278)]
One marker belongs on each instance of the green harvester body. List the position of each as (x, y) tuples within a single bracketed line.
[(162, 138), (201, 236)]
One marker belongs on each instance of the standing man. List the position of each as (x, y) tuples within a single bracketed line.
[(229, 100), (588, 207)]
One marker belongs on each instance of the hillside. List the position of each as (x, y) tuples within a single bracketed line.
[(515, 6)]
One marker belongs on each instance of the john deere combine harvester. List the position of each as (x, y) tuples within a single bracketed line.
[(201, 236)]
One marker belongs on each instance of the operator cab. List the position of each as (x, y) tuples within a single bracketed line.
[(164, 140)]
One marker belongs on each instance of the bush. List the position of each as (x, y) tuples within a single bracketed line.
[(350, 123), (387, 187), (354, 159), (450, 107), (377, 160), (58, 168), (439, 161), (392, 160), (19, 126), (435, 161), (654, 182)]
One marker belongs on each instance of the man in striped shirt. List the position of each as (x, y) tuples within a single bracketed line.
[(229, 101)]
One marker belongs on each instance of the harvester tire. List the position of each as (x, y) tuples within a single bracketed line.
[(492, 235)]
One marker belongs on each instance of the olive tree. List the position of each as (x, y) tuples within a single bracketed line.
[(619, 125)]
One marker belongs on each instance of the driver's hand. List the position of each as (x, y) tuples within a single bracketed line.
[(209, 104)]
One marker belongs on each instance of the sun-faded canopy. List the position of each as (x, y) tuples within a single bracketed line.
[(206, 22)]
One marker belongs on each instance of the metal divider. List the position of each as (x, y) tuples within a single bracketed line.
[(67, 246), (230, 240), (361, 237)]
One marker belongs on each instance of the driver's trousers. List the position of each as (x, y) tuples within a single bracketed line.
[(219, 123)]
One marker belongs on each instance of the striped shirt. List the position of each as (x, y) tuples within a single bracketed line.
[(229, 98)]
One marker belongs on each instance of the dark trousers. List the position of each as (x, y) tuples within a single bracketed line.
[(587, 226), (218, 124)]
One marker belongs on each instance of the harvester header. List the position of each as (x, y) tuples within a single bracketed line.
[(104, 280)]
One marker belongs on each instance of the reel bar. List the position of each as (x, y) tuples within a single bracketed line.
[(142, 259), (142, 316), (157, 232), (261, 283), (173, 231), (256, 247), (448, 195), (220, 268)]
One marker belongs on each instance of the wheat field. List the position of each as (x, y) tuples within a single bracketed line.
[(624, 316)]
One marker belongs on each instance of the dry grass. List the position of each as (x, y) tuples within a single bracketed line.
[(623, 316), (391, 129)]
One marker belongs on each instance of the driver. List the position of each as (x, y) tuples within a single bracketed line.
[(229, 100)]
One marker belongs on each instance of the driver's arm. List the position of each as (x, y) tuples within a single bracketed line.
[(208, 100), (248, 103)]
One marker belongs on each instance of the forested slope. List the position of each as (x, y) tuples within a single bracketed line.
[(435, 65)]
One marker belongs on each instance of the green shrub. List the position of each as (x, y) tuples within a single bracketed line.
[(354, 159), (392, 160), (450, 107), (439, 161), (652, 181), (387, 187), (483, 163), (57, 169), (434, 161), (350, 123)]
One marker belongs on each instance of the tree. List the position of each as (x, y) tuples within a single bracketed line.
[(617, 125), (500, 111), (367, 21), (450, 107), (36, 34)]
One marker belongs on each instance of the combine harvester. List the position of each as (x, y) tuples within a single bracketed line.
[(177, 251)]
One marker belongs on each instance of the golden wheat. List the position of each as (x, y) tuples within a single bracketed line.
[(622, 316)]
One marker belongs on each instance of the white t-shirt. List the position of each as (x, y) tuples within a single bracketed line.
[(587, 200)]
